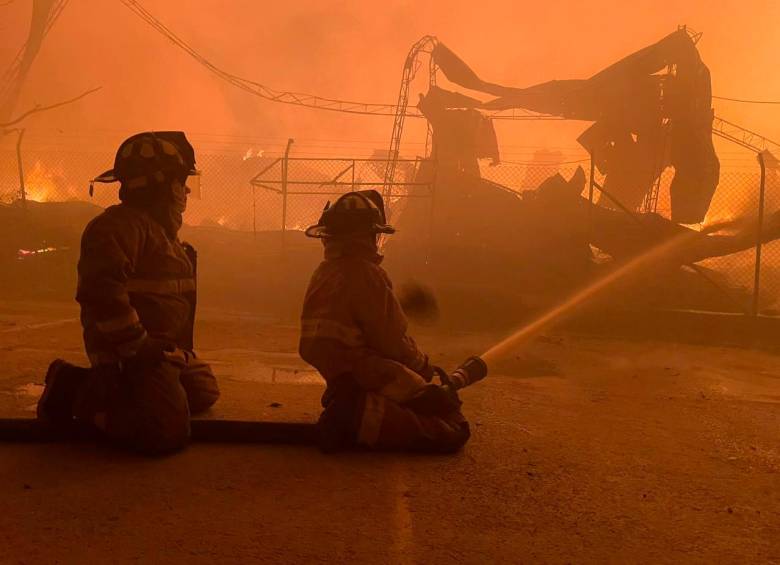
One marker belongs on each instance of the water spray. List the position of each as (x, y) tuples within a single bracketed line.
[(524, 334), (476, 368)]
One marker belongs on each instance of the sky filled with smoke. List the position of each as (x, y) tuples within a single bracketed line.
[(355, 50)]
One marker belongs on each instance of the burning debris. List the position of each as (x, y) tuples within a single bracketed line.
[(250, 154), (23, 254), (44, 184)]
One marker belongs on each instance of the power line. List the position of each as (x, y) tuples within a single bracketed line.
[(743, 101), (299, 98), (313, 101), (543, 164)]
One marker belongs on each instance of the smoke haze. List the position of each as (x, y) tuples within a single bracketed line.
[(355, 51)]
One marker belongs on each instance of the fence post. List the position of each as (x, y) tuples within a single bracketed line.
[(592, 175), (353, 175), (284, 191), (254, 212), (22, 188), (432, 219), (759, 234), (591, 185)]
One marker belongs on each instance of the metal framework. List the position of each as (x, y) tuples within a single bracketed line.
[(275, 177), (743, 137), (400, 110), (411, 66), (650, 202)]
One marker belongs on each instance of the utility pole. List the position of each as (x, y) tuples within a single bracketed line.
[(20, 164), (285, 165), (759, 234)]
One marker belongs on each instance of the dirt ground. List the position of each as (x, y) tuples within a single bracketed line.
[(584, 450)]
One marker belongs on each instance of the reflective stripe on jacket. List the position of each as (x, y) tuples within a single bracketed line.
[(134, 282), (353, 324)]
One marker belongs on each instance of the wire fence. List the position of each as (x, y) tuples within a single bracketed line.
[(258, 192), (302, 185), (750, 277)]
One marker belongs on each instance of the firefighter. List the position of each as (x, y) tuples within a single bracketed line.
[(137, 292), (379, 391)]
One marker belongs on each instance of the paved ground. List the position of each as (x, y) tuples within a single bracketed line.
[(584, 451)]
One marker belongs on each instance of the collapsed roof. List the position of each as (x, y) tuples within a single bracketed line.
[(645, 120)]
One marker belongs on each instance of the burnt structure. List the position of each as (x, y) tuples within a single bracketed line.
[(644, 120), (649, 111)]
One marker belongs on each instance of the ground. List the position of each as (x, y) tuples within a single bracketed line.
[(584, 450)]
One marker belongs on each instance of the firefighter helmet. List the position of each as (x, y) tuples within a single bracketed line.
[(151, 158), (354, 213)]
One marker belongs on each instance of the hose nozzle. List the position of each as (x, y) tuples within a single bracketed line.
[(472, 370)]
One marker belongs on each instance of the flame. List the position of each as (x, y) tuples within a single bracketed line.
[(720, 218), (22, 254), (42, 185), (39, 184), (249, 154)]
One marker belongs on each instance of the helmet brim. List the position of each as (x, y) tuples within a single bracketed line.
[(107, 177), (319, 231)]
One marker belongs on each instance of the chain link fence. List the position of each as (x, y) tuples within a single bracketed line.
[(271, 193), (751, 277)]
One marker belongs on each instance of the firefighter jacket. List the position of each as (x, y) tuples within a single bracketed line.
[(352, 324), (135, 283)]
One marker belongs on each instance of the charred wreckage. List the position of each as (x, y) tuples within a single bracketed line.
[(650, 111)]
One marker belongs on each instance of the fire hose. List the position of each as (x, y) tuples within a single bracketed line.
[(28, 430)]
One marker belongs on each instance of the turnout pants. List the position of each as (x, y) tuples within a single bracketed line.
[(370, 420), (147, 406)]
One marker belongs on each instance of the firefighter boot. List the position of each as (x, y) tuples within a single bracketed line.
[(63, 382), (337, 425)]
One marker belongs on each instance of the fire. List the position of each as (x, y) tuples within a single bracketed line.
[(39, 184), (28, 253), (718, 218), (42, 185), (249, 154)]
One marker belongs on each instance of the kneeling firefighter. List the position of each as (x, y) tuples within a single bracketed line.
[(137, 291), (379, 392)]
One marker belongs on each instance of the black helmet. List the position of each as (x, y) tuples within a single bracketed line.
[(355, 213), (151, 158)]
